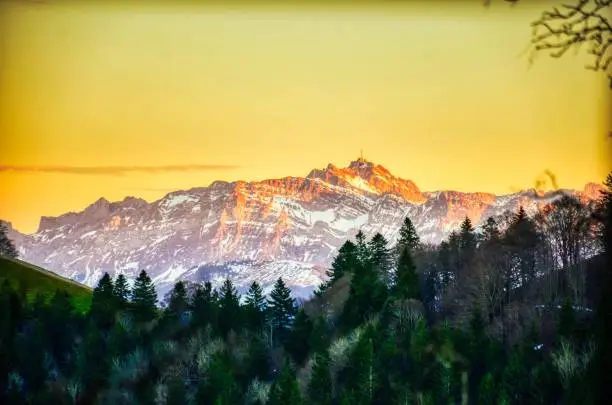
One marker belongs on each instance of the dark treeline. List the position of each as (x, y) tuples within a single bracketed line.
[(514, 312)]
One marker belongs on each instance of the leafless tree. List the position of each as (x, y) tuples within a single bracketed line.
[(569, 231), (587, 22)]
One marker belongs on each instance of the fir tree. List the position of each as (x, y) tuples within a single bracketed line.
[(121, 291), (205, 308), (360, 375), (255, 304), (344, 263), (177, 303), (380, 256), (285, 390), (7, 247), (144, 298), (298, 343), (567, 321), (176, 392), (363, 253), (103, 302), (229, 308), (281, 307), (490, 230), (320, 384), (467, 243), (406, 282), (408, 236)]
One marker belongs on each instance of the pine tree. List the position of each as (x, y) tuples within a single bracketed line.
[(298, 343), (360, 372), (7, 247), (567, 321), (205, 306), (176, 392), (363, 253), (103, 303), (229, 308), (285, 390), (380, 256), (255, 304), (522, 239), (467, 241), (59, 326), (258, 364), (144, 298), (490, 230), (408, 236), (344, 263), (281, 307), (121, 291), (406, 282), (219, 386), (177, 303), (320, 385)]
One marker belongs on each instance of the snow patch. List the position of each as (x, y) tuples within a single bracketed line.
[(174, 272), (361, 184), (87, 234), (175, 200)]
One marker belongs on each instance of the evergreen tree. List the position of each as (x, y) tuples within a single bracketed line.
[(255, 304), (359, 373), (177, 303), (7, 247), (487, 392), (490, 230), (467, 243), (258, 364), (344, 263), (229, 308), (406, 283), (320, 384), (93, 363), (144, 298), (380, 256), (408, 236), (363, 253), (567, 320), (285, 390), (176, 392), (121, 291), (282, 309), (59, 326), (601, 378), (298, 343), (219, 386), (522, 239), (205, 308), (103, 303)]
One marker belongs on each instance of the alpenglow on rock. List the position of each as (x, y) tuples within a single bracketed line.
[(255, 231)]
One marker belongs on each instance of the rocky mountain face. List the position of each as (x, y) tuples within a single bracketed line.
[(289, 227)]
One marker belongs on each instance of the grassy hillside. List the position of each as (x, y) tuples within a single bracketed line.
[(36, 280)]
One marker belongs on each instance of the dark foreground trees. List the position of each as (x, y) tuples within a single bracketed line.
[(469, 321)]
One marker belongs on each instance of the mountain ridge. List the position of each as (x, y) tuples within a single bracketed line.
[(288, 227)]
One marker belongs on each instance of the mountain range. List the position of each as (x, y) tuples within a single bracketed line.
[(256, 231)]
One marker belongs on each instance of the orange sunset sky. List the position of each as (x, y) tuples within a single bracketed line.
[(156, 98)]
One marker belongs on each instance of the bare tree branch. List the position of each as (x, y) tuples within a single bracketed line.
[(572, 25)]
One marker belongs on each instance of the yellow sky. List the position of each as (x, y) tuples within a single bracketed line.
[(439, 95)]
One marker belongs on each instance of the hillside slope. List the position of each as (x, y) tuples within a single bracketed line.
[(36, 280)]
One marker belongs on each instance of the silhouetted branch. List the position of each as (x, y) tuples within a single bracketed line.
[(587, 22)]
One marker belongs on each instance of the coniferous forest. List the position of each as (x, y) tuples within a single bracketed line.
[(516, 311)]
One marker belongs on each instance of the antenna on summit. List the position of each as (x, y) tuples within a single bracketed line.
[(361, 156)]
